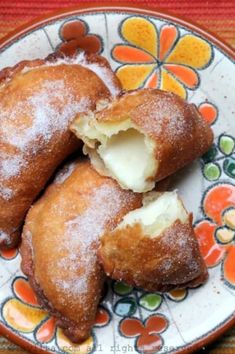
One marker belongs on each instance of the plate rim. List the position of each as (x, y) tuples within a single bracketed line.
[(105, 6), (136, 8)]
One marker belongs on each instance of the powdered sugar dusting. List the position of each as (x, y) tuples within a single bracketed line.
[(164, 116), (46, 117), (6, 193), (44, 113), (104, 73), (83, 235), (10, 166), (181, 238)]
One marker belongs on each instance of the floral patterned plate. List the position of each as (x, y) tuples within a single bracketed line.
[(146, 49)]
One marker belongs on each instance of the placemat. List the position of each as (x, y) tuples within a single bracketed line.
[(217, 16)]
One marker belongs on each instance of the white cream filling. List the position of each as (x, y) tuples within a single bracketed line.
[(129, 158), (119, 150), (159, 211)]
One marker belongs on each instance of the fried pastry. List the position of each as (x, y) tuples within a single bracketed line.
[(154, 247), (60, 240), (38, 100), (143, 137)]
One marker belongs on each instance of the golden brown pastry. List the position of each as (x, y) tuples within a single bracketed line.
[(38, 100), (154, 247), (143, 136), (60, 240)]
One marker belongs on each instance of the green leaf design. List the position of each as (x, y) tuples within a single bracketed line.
[(210, 154), (226, 144), (125, 307), (150, 301), (121, 288), (212, 171), (229, 167)]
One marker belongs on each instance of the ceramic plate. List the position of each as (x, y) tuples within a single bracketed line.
[(146, 49)]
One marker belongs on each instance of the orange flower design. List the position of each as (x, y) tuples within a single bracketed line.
[(74, 35), (23, 313), (216, 234), (160, 59), (9, 254), (103, 317), (148, 338), (209, 112)]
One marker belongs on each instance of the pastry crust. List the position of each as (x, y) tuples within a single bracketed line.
[(173, 131), (60, 240), (161, 263), (38, 100)]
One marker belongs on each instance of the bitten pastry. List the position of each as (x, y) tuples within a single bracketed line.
[(143, 136), (38, 100), (60, 240), (154, 247)]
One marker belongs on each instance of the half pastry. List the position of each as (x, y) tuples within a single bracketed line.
[(154, 247), (60, 240), (143, 136), (38, 101)]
